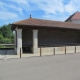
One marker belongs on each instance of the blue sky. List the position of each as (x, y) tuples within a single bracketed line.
[(14, 10)]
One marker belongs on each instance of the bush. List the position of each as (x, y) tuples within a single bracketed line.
[(12, 41), (1, 46), (1, 38), (7, 41)]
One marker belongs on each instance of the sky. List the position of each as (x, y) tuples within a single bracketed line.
[(15, 10)]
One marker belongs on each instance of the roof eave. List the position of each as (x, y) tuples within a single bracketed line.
[(39, 26)]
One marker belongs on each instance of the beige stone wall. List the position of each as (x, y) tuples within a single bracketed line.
[(47, 51), (76, 21), (58, 50), (77, 48), (54, 51), (70, 49)]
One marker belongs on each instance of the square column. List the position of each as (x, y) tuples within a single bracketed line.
[(19, 40), (15, 41), (35, 41)]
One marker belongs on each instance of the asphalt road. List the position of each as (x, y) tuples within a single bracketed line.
[(58, 67)]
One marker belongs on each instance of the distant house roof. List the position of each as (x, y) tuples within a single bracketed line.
[(74, 16), (32, 22)]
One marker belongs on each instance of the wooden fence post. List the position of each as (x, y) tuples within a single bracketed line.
[(65, 50), (20, 52), (75, 49), (54, 51), (40, 52)]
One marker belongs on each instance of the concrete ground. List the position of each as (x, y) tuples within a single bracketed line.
[(58, 67)]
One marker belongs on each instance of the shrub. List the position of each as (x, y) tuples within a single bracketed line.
[(1, 46), (7, 41)]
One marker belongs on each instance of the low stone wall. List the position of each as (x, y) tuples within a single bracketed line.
[(10, 53), (77, 48), (47, 51), (59, 50), (70, 49), (7, 51)]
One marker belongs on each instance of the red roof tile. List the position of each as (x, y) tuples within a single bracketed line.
[(75, 16), (45, 23)]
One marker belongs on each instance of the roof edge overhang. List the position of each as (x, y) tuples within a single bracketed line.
[(21, 26)]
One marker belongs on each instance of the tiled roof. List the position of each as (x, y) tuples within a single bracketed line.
[(45, 23), (75, 16)]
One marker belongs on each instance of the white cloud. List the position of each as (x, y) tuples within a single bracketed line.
[(7, 7), (57, 17), (16, 8), (7, 15), (49, 7), (73, 6), (19, 1), (9, 11), (2, 6), (23, 4), (52, 7)]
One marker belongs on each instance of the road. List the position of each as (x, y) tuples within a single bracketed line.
[(58, 67)]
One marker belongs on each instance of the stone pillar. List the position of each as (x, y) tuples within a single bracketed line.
[(15, 41), (19, 40), (35, 41)]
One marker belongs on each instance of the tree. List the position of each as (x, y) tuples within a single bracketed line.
[(7, 41), (1, 38), (6, 34), (6, 31)]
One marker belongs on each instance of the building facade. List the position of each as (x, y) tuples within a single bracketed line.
[(31, 34)]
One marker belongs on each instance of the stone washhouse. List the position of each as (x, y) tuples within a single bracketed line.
[(32, 33)]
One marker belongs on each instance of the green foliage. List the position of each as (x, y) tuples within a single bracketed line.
[(6, 34), (7, 41), (1, 46), (6, 31), (1, 38)]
